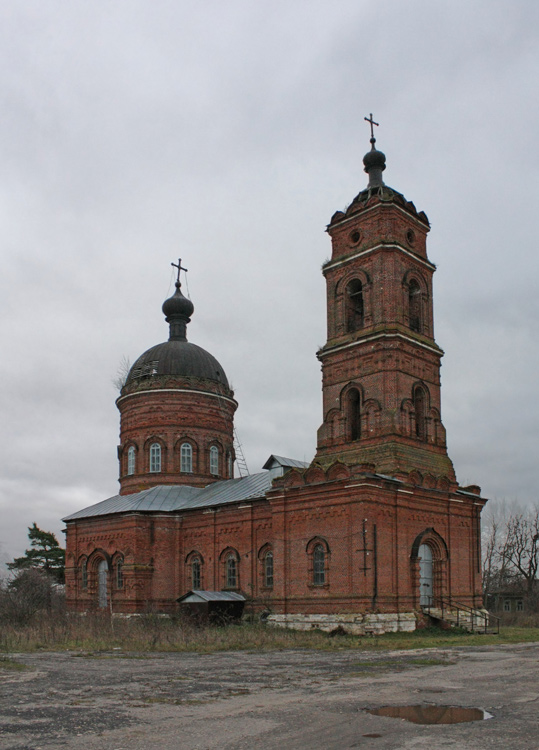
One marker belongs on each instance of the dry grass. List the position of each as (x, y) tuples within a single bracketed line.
[(98, 633)]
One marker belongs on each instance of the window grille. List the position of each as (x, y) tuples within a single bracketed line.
[(214, 460), (155, 458), (231, 572), (120, 574), (195, 573), (319, 565), (268, 569), (131, 460), (186, 458)]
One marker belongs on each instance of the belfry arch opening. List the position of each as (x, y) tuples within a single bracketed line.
[(354, 305), (414, 306)]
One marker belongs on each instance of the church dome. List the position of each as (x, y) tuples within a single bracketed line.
[(178, 358)]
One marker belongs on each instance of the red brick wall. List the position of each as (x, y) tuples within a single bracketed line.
[(345, 514), (171, 413)]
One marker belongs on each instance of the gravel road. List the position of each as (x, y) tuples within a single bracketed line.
[(285, 700)]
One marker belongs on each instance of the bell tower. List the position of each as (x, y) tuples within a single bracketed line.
[(381, 364)]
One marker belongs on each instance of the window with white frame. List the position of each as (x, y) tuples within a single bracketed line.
[(186, 458), (231, 571), (214, 460), (120, 574), (319, 565), (268, 569), (507, 605), (195, 573), (131, 459), (155, 457)]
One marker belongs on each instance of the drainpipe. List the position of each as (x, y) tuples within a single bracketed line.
[(375, 566)]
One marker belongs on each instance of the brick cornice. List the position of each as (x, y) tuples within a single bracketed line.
[(177, 390), (435, 349), (381, 246)]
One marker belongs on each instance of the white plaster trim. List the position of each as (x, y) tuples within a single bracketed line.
[(363, 484), (342, 262), (376, 336), (176, 390), (368, 210)]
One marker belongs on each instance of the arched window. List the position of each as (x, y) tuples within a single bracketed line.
[(131, 459), (84, 574), (186, 458), (319, 565), (214, 460), (102, 583), (354, 305), (268, 569), (420, 410), (230, 467), (414, 306), (155, 457), (195, 574), (353, 414), (120, 574), (231, 571)]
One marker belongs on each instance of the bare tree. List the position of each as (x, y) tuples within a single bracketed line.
[(511, 551), (520, 548), (121, 373)]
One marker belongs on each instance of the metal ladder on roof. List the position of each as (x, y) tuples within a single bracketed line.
[(241, 463)]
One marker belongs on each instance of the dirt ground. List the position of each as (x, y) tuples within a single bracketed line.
[(285, 700)]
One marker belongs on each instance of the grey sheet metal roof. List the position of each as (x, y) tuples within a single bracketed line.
[(291, 463), (211, 596), (168, 498)]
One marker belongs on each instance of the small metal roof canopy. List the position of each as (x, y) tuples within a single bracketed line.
[(212, 607), (277, 465)]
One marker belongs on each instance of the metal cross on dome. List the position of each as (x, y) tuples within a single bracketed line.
[(372, 123), (179, 266)]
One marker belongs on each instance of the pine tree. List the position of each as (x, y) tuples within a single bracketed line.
[(45, 554)]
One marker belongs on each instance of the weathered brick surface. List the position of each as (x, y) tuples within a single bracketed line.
[(368, 501), (172, 412)]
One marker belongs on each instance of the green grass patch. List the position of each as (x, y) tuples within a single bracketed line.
[(97, 636), (10, 665)]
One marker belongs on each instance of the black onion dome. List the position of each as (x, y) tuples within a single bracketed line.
[(374, 159), (178, 305), (177, 358)]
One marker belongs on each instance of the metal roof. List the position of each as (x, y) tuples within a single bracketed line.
[(177, 358), (291, 463), (169, 498), (211, 596)]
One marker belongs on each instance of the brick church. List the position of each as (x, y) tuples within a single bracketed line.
[(367, 534)]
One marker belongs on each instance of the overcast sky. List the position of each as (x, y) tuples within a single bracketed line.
[(228, 132)]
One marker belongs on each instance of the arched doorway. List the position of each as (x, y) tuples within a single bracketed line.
[(102, 583), (424, 555)]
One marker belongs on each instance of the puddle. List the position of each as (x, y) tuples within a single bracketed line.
[(432, 714)]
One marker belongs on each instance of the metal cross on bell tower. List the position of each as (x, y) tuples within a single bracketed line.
[(372, 124), (179, 266)]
